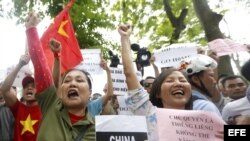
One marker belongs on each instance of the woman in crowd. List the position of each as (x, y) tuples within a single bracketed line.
[(65, 117), (170, 90), (138, 98)]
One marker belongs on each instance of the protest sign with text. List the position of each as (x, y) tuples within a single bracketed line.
[(121, 128), (119, 80), (226, 46), (188, 125), (171, 56), (91, 63)]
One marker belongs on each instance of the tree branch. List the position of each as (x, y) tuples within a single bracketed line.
[(208, 19), (177, 23), (210, 23)]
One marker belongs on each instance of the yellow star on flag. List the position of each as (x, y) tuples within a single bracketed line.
[(61, 31), (28, 125)]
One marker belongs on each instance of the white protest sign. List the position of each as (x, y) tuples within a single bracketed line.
[(91, 61), (171, 56), (123, 108), (121, 128), (226, 46), (119, 80), (188, 125)]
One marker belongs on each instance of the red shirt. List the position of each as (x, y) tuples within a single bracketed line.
[(27, 120), (75, 118)]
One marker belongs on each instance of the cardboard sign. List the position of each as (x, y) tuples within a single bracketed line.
[(171, 56), (121, 128), (91, 61), (188, 125)]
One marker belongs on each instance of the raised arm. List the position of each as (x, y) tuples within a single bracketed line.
[(43, 77), (137, 99), (56, 47), (109, 92), (10, 98), (129, 70)]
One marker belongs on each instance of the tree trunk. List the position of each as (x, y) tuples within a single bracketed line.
[(176, 22), (210, 22)]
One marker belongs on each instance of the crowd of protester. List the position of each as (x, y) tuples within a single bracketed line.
[(56, 107)]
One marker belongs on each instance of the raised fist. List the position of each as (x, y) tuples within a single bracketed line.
[(32, 20), (55, 45), (125, 29), (24, 59)]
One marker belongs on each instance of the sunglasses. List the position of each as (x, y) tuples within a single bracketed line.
[(146, 85)]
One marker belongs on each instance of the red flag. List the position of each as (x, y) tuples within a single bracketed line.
[(62, 30)]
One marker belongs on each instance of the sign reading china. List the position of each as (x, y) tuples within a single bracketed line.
[(188, 125), (91, 63), (121, 128), (226, 46), (171, 56), (119, 80)]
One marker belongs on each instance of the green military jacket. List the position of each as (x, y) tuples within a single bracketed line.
[(56, 125)]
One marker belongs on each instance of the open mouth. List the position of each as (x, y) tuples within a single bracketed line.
[(29, 94), (72, 94), (178, 93)]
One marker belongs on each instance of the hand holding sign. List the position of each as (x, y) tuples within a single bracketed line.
[(104, 64), (213, 55)]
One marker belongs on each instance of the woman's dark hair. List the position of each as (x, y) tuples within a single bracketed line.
[(245, 70), (232, 77), (84, 72), (156, 89)]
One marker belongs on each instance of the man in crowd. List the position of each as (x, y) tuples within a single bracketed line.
[(27, 115)]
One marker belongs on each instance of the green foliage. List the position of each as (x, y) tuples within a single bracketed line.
[(87, 17), (149, 18), (90, 16)]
